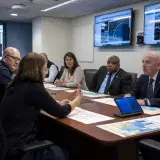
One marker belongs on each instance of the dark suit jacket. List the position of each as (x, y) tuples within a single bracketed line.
[(140, 91), (5, 78), (121, 83)]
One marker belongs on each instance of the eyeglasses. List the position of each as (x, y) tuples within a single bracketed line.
[(14, 58)]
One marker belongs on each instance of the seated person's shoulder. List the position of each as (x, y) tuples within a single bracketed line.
[(143, 76), (79, 69), (102, 68)]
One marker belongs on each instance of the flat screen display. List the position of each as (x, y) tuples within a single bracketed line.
[(113, 29), (152, 24), (128, 105)]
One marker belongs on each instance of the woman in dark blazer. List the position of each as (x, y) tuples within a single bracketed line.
[(23, 100)]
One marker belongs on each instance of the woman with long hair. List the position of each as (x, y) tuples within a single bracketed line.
[(73, 75), (23, 100)]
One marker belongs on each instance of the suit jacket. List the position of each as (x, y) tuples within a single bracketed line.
[(5, 78), (121, 83), (140, 91)]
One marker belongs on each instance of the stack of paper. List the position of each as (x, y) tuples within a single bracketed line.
[(89, 94), (133, 127), (151, 110), (53, 87), (109, 101), (87, 117)]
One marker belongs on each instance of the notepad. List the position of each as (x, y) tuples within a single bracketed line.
[(109, 101)]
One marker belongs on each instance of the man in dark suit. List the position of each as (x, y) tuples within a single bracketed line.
[(147, 89), (8, 66), (111, 79)]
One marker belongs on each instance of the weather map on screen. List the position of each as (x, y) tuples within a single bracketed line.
[(113, 29), (152, 24)]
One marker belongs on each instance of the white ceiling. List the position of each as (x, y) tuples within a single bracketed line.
[(73, 10)]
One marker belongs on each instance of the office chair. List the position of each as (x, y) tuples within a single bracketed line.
[(31, 147), (89, 73), (134, 78), (3, 143), (150, 149), (61, 71)]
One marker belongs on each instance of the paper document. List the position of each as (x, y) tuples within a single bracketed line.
[(53, 87), (133, 127), (89, 94), (87, 117), (47, 85), (109, 101), (151, 110)]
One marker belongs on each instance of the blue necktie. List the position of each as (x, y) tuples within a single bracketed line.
[(150, 93), (108, 83)]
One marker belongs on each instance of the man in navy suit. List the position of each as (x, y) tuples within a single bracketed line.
[(147, 89), (111, 79)]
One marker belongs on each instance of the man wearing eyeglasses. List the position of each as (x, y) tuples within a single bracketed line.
[(8, 66)]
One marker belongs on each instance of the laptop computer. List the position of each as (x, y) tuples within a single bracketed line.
[(128, 106)]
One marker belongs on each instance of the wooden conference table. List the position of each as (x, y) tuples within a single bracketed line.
[(86, 141)]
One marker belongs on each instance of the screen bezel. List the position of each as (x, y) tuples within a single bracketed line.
[(132, 113), (144, 24), (131, 29)]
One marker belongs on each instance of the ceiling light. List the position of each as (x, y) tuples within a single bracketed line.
[(14, 14), (57, 6), (18, 6)]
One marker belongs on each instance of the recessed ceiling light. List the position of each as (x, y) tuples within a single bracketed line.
[(59, 5), (14, 14)]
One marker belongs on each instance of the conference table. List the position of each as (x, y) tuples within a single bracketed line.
[(87, 141)]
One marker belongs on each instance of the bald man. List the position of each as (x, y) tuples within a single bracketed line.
[(8, 66), (147, 89)]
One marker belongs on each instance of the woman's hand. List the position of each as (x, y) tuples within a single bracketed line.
[(58, 83), (65, 101)]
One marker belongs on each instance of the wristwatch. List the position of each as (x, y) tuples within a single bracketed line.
[(147, 103)]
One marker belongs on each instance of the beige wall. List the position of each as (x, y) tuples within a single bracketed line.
[(95, 57)]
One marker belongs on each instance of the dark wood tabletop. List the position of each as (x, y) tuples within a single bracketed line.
[(91, 129)]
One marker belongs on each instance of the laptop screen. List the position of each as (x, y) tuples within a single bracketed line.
[(128, 105)]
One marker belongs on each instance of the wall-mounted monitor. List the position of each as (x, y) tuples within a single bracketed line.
[(152, 24), (113, 29)]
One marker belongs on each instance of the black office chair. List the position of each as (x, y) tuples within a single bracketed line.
[(61, 71), (89, 73), (32, 147), (3, 143), (150, 149), (134, 78)]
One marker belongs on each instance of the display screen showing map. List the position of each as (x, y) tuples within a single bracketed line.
[(113, 29)]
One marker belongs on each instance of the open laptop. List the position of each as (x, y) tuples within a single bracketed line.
[(128, 106)]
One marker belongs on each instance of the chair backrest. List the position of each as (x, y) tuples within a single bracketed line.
[(89, 73), (61, 71), (134, 78), (3, 143)]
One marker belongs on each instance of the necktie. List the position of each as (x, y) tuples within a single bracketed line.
[(108, 84), (150, 93)]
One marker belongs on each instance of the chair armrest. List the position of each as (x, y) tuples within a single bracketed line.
[(150, 144), (36, 145)]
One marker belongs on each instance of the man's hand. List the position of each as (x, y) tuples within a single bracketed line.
[(141, 102)]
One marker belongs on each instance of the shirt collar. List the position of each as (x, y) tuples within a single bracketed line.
[(155, 77), (114, 73)]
